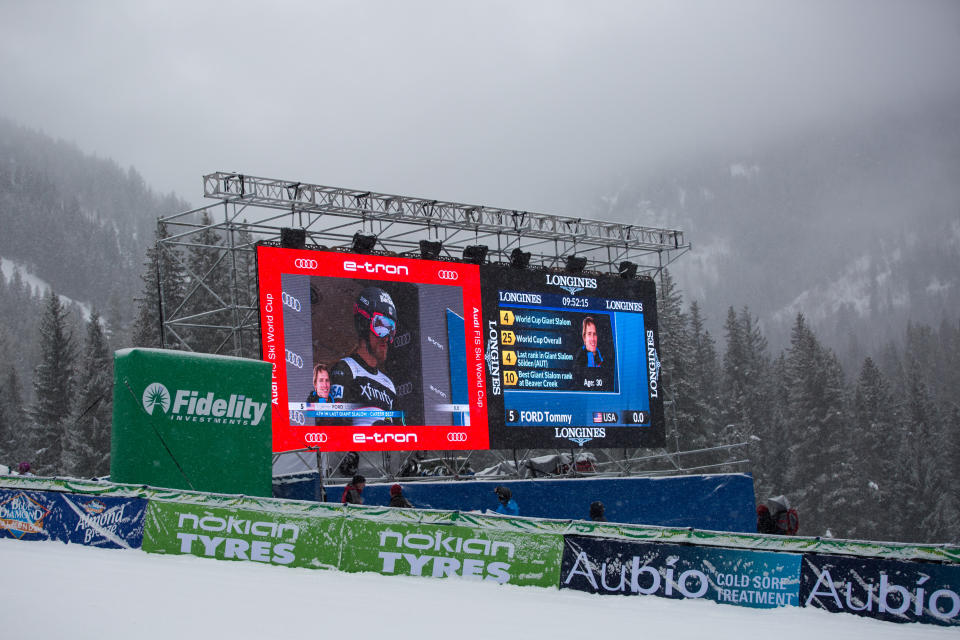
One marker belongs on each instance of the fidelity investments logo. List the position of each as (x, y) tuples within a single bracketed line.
[(192, 406)]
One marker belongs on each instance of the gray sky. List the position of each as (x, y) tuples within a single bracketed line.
[(535, 105)]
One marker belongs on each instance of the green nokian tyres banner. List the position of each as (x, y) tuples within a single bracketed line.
[(310, 540), (191, 421), (445, 551)]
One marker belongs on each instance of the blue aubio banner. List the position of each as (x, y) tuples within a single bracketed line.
[(98, 521), (886, 589), (746, 578)]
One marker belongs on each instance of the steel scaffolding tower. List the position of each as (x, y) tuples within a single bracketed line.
[(250, 209)]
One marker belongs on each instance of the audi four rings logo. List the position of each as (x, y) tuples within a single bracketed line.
[(457, 436), (290, 301), (294, 359), (446, 274), (304, 263), (315, 438), (296, 417)]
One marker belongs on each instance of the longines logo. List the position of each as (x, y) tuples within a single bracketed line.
[(305, 263), (571, 283)]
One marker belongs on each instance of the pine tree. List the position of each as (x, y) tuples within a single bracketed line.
[(877, 429), (704, 384), (162, 271), (88, 437), (53, 386), (675, 356), (16, 444)]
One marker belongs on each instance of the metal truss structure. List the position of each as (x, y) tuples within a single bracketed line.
[(220, 297)]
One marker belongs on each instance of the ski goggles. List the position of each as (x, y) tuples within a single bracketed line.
[(381, 325)]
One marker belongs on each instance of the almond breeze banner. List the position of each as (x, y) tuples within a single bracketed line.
[(96, 521), (729, 576), (890, 590), (449, 551)]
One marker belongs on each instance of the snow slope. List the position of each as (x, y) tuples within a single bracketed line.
[(53, 590)]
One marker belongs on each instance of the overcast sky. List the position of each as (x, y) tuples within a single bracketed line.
[(534, 105)]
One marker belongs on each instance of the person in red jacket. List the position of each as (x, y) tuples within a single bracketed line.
[(353, 492)]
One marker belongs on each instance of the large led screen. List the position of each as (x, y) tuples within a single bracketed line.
[(372, 352), (571, 359)]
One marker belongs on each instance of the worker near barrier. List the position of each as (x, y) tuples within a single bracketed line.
[(597, 511), (359, 379), (353, 492), (508, 506), (777, 517), (397, 499)]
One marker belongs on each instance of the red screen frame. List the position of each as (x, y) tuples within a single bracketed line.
[(272, 262)]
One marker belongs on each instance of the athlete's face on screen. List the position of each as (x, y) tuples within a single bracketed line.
[(378, 348), (322, 384), (590, 336)]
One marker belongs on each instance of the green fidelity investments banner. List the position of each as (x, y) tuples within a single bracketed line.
[(450, 551), (191, 421), (310, 541)]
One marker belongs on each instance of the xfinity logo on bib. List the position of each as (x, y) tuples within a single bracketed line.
[(191, 406)]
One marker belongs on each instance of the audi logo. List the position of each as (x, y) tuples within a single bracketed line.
[(296, 417), (315, 437), (304, 263), (290, 301), (294, 359), (402, 340), (404, 388), (446, 274), (457, 436)]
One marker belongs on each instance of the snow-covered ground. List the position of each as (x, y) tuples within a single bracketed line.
[(53, 590)]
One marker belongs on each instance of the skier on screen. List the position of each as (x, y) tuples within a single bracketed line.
[(358, 379)]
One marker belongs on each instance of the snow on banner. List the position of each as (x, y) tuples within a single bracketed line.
[(730, 576)]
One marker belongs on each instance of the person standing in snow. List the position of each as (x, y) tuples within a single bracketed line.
[(508, 506)]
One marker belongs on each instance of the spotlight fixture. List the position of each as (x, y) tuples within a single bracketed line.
[(519, 259), (363, 244), (430, 250), (627, 270), (475, 253), (576, 264), (293, 238)]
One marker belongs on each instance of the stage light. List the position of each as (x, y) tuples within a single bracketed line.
[(293, 238), (627, 270), (475, 253), (576, 264), (430, 250), (363, 244), (519, 259)]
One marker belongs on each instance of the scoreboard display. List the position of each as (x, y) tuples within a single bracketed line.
[(390, 353), (571, 358)]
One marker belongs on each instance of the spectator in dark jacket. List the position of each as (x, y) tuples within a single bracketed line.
[(353, 492), (765, 523), (596, 511), (397, 498)]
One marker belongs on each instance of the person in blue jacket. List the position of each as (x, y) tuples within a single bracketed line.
[(508, 505)]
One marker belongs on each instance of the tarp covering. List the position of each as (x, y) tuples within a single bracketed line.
[(722, 502)]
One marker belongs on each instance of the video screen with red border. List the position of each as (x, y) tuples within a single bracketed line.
[(372, 352)]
